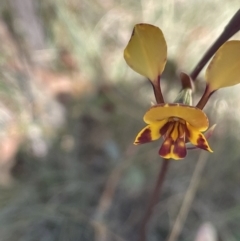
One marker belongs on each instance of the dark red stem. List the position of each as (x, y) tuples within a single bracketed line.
[(153, 199), (232, 27), (206, 95), (157, 91)]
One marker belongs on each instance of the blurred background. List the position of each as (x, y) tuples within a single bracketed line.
[(70, 109)]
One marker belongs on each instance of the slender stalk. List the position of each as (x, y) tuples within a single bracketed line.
[(206, 95), (154, 199), (232, 27), (157, 91)]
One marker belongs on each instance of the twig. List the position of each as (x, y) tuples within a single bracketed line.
[(188, 199)]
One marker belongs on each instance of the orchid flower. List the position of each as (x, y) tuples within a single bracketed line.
[(179, 122)]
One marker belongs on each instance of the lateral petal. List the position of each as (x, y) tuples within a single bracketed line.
[(197, 138), (149, 133)]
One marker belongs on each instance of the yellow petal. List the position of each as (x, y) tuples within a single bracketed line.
[(173, 149), (146, 52), (174, 143), (179, 150), (190, 114), (224, 69), (197, 138), (166, 149), (149, 133), (207, 135)]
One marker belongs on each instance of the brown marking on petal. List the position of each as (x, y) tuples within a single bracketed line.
[(180, 148), (187, 133), (145, 137), (201, 143), (165, 128), (181, 129), (166, 147)]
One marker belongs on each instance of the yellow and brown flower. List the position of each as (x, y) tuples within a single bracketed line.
[(177, 124)]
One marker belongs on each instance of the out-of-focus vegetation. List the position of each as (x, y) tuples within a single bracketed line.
[(70, 109)]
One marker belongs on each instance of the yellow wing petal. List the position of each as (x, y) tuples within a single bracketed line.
[(146, 52), (150, 133), (224, 69), (197, 138)]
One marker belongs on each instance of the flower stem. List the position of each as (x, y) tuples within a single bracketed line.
[(232, 27), (206, 95), (153, 199), (157, 90)]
